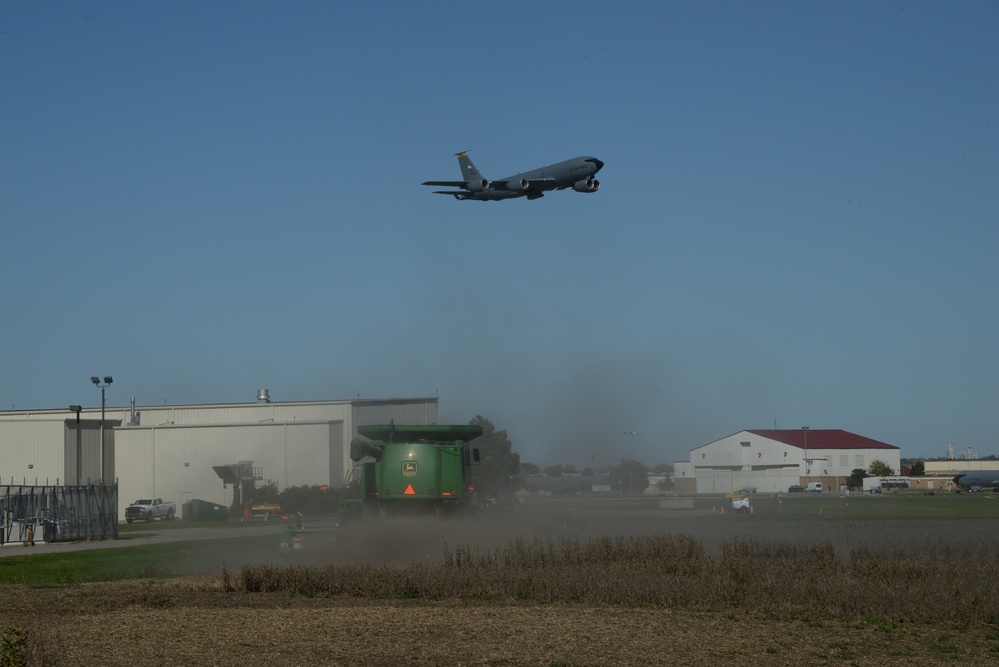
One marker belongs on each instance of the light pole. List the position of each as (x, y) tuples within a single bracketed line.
[(76, 409), (808, 468), (629, 434), (97, 381)]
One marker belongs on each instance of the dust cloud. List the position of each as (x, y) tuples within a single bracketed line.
[(582, 518)]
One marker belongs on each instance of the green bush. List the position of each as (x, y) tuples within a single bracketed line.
[(13, 647)]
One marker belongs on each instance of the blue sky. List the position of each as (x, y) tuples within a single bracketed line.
[(797, 224)]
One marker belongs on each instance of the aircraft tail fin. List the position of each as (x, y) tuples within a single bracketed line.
[(470, 172)]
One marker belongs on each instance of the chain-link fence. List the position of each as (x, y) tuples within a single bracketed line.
[(32, 513)]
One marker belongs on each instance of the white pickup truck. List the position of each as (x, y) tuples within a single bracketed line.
[(149, 509)]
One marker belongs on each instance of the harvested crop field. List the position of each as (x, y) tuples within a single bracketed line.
[(180, 624), (607, 587)]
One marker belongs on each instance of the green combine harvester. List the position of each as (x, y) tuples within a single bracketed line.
[(406, 472)]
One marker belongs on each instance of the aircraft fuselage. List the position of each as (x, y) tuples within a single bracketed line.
[(576, 173), (986, 479)]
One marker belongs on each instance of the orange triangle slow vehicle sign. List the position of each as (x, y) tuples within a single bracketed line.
[(409, 490)]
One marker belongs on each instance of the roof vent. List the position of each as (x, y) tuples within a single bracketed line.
[(263, 396)]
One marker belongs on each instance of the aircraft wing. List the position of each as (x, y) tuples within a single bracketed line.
[(447, 184), (454, 192), (537, 184), (542, 183)]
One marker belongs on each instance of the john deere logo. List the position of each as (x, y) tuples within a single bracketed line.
[(409, 468)]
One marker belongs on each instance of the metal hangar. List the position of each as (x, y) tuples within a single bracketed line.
[(773, 460)]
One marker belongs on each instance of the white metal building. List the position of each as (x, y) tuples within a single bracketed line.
[(169, 451), (774, 460), (950, 467)]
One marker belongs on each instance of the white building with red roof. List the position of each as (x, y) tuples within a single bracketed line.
[(772, 460)]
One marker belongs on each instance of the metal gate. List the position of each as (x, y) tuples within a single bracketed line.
[(32, 513)]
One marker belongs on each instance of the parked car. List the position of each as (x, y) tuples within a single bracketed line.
[(814, 487), (149, 509), (794, 488)]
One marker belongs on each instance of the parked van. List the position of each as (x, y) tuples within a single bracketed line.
[(814, 487)]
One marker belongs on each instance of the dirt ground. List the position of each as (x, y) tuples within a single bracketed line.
[(192, 621), (188, 623)]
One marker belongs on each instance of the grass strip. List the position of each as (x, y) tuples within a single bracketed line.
[(138, 562)]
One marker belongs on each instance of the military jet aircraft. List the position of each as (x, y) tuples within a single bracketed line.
[(979, 478), (576, 174)]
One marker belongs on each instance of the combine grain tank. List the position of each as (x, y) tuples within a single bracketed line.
[(416, 471)]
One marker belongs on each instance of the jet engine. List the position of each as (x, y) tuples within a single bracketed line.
[(518, 186), (586, 185), (479, 186)]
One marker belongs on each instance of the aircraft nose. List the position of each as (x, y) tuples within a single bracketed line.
[(599, 163)]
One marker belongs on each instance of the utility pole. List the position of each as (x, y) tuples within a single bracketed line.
[(808, 466), (629, 434), (79, 448), (100, 457)]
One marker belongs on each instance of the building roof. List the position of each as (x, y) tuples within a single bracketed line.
[(833, 438)]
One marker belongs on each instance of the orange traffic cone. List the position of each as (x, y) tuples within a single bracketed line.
[(714, 510), (752, 510), (722, 511)]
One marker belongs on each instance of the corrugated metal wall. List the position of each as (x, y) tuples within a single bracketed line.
[(403, 411), (31, 450), (175, 462)]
